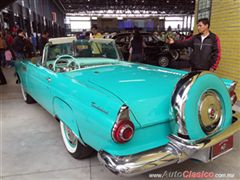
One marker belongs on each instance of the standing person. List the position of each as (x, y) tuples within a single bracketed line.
[(9, 41), (33, 40), (136, 47), (19, 44), (96, 48), (43, 41), (2, 50), (29, 48), (206, 47), (8, 57), (95, 33)]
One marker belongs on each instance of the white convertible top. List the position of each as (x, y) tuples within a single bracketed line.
[(62, 40)]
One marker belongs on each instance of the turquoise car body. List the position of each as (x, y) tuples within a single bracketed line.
[(88, 100)]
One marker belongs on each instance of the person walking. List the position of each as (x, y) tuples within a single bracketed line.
[(136, 47), (206, 47)]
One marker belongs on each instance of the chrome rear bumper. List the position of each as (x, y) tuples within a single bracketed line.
[(176, 151)]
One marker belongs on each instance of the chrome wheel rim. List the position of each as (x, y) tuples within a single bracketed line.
[(210, 112), (163, 61), (70, 137)]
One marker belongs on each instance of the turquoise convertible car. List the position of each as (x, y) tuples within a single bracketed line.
[(137, 117)]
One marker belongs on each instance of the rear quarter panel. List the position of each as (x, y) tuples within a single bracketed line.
[(94, 112)]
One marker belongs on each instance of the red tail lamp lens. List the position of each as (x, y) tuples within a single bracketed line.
[(123, 131)]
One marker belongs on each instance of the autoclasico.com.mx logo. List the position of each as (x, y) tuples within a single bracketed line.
[(191, 174)]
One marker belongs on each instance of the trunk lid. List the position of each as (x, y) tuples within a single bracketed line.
[(147, 90)]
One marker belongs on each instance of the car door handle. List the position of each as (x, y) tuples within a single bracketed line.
[(48, 79)]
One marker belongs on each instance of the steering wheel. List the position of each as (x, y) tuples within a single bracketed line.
[(72, 62)]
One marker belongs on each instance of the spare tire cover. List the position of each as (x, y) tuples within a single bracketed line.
[(204, 83)]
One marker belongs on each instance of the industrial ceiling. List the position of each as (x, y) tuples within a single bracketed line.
[(151, 6)]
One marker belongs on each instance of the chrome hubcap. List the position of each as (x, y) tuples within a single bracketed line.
[(163, 62), (70, 136), (210, 112)]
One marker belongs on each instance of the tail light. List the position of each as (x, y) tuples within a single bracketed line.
[(123, 129), (232, 93)]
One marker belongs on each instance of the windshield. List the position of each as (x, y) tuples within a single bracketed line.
[(68, 56), (84, 49), (56, 50)]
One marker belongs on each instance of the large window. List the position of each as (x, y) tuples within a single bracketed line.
[(78, 24), (204, 9)]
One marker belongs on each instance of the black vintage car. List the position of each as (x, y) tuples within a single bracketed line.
[(156, 52)]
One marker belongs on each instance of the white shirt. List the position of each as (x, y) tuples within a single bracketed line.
[(202, 39)]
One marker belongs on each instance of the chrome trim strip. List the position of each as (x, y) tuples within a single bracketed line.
[(232, 86), (94, 105), (122, 113), (222, 154), (176, 151)]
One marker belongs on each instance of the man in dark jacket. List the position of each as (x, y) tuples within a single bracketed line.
[(43, 41), (19, 45), (206, 47)]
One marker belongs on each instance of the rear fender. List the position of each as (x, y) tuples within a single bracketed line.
[(64, 113)]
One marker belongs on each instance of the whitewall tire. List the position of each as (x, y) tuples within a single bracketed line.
[(26, 97), (72, 144)]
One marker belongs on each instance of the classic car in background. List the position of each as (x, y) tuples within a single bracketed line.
[(157, 52), (137, 117)]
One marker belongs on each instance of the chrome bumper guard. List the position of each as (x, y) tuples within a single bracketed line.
[(176, 151)]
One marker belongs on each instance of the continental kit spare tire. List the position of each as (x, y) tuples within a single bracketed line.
[(201, 105)]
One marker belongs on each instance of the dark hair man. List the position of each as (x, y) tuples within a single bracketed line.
[(95, 33), (206, 47)]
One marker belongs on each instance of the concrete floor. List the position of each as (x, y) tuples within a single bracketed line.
[(32, 147)]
